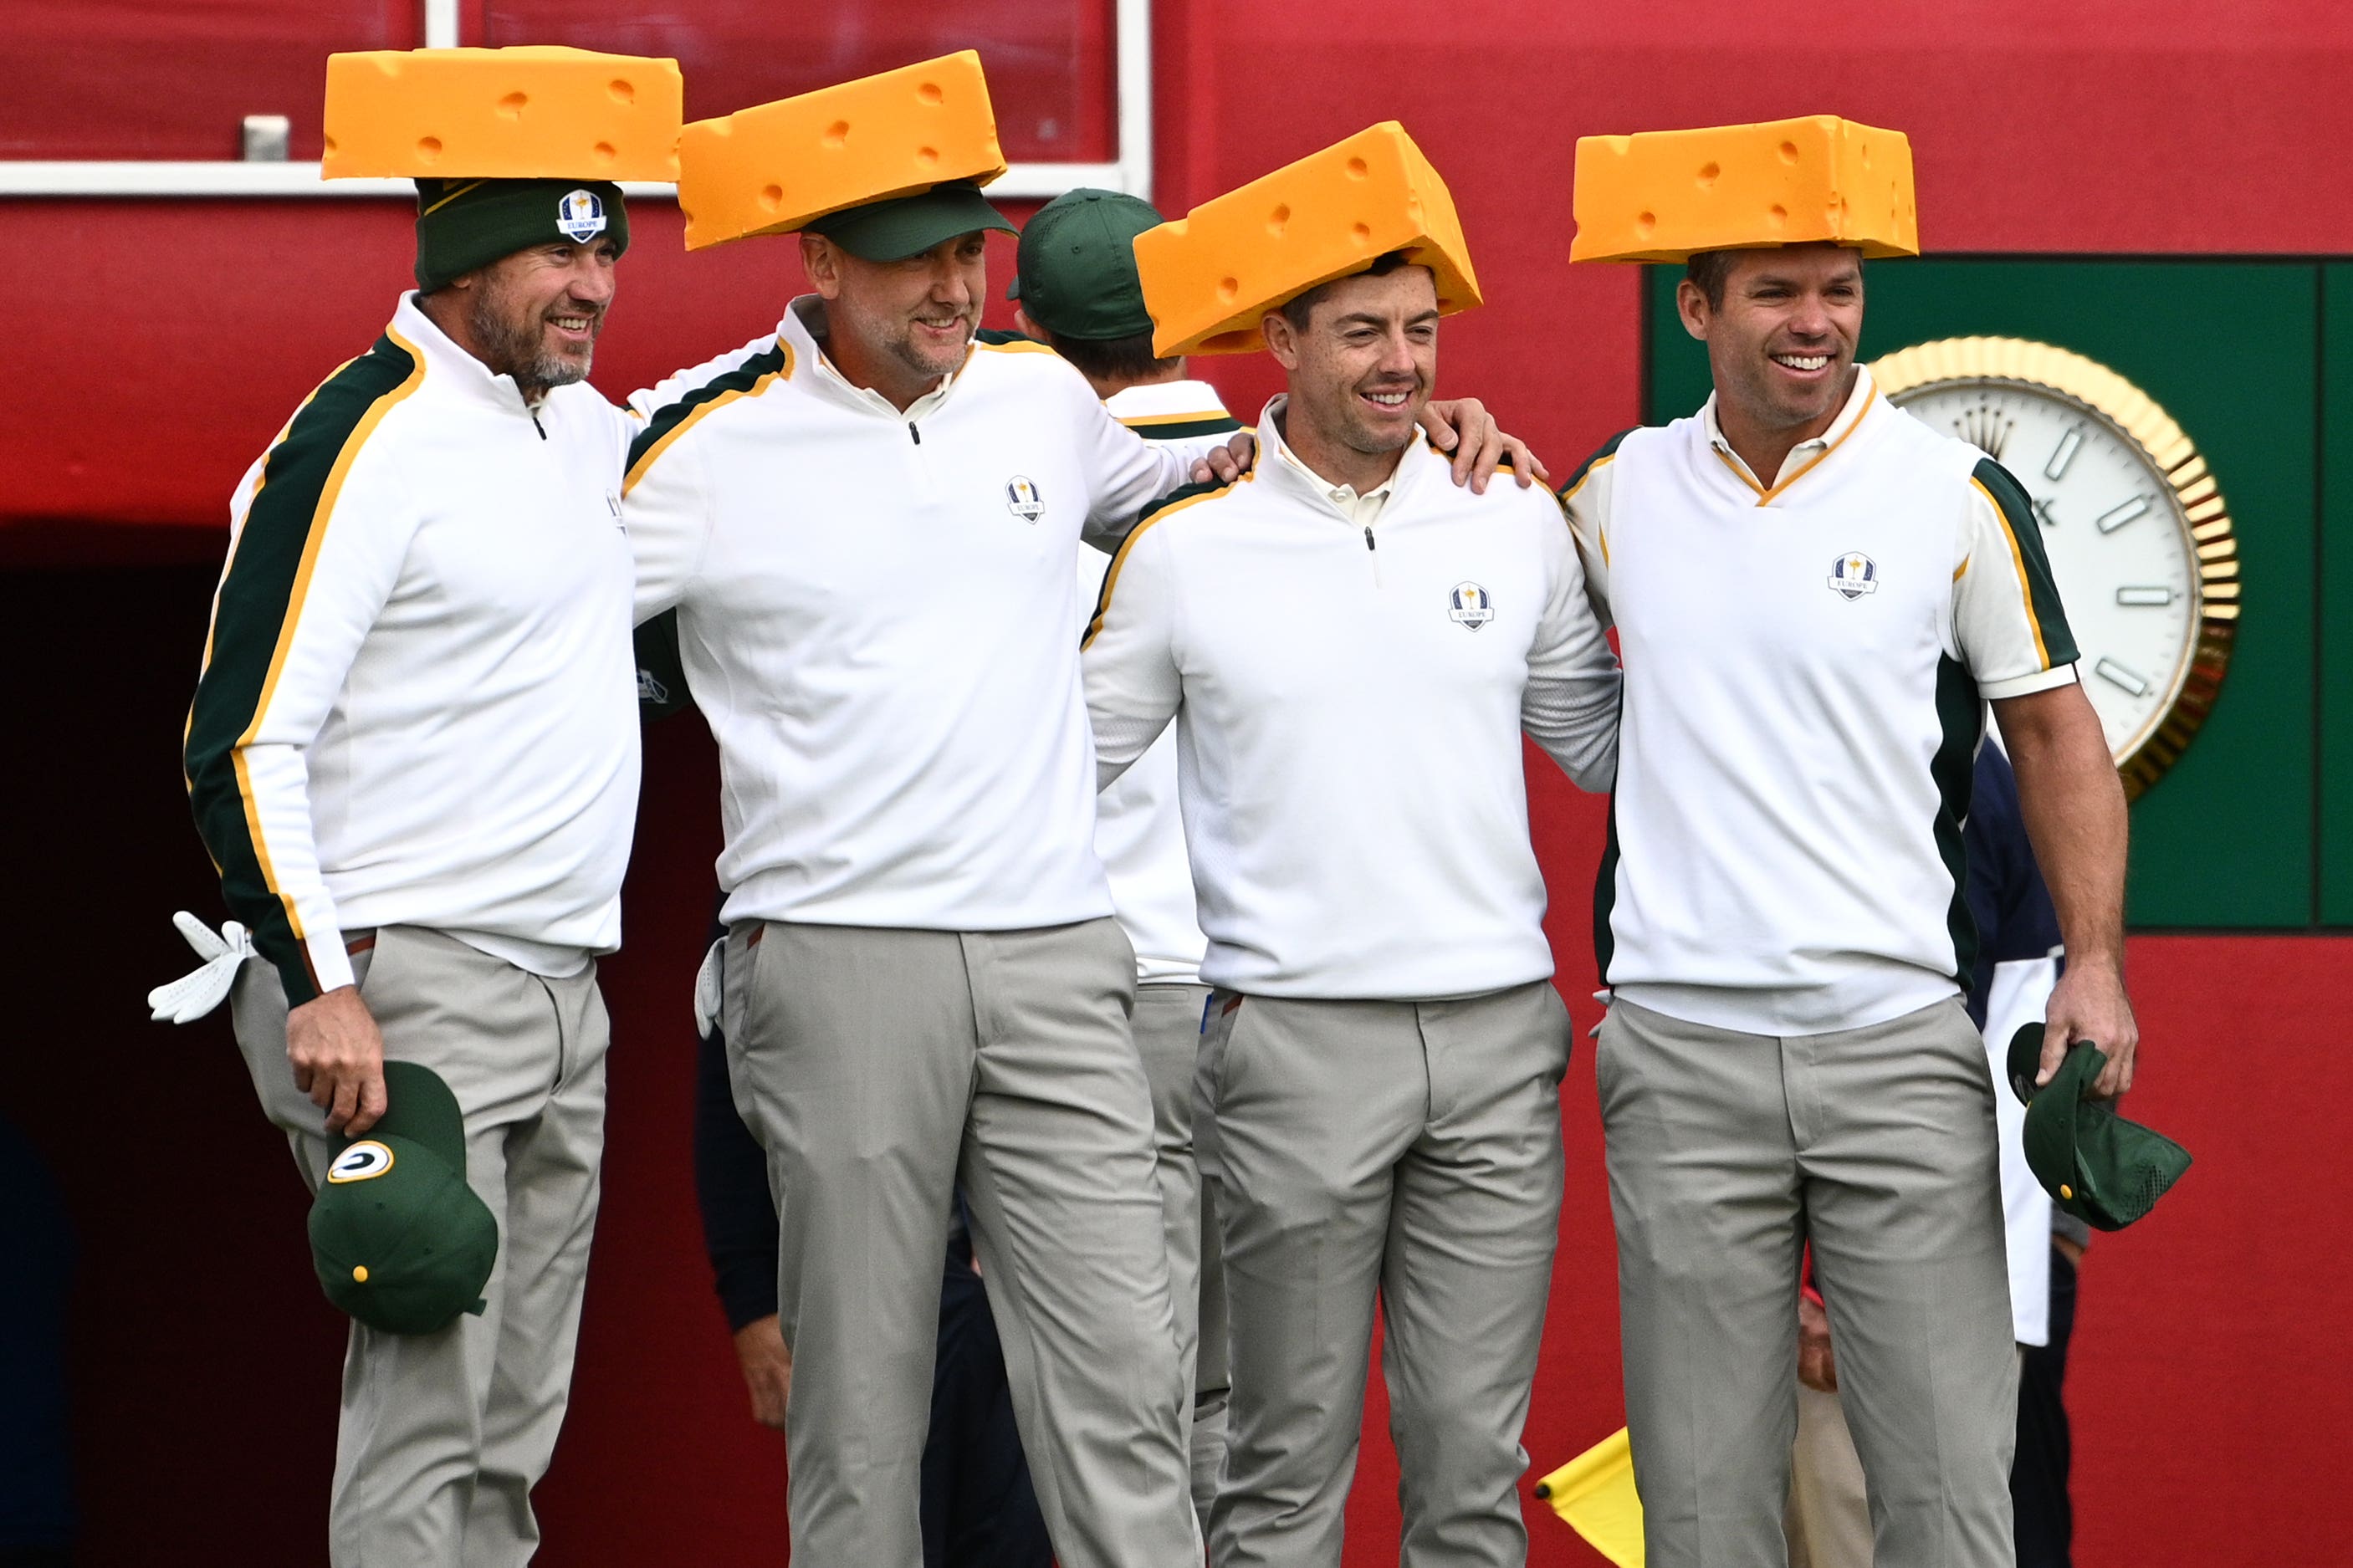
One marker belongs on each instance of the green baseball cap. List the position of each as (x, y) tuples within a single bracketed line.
[(1076, 271), (2096, 1166), (398, 1239), (902, 226)]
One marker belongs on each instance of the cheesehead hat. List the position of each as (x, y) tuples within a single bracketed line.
[(2096, 1166), (920, 130), (1666, 196), (1209, 276), (510, 148), (397, 1238)]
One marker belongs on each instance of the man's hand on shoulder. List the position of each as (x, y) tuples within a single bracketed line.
[(337, 1055), (2089, 1003), (1224, 465), (1464, 427)]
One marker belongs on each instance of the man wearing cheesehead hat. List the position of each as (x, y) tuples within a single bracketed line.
[(1351, 649), (1816, 596), (1076, 281), (413, 750)]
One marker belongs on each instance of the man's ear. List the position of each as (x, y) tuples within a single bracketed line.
[(822, 262), (1691, 304), (1025, 326), (1282, 341)]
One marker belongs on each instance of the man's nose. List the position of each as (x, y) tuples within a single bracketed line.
[(592, 280)]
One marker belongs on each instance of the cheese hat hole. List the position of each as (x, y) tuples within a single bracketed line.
[(331, 146), (1777, 215), (428, 148), (1788, 152), (1226, 288), (1836, 209), (927, 156), (1362, 234), (836, 133), (1644, 223), (359, 1273), (511, 105), (622, 91), (930, 92), (771, 197), (603, 153), (1276, 218), (1707, 175), (1357, 169)]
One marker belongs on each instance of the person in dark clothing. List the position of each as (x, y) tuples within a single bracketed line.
[(37, 1248)]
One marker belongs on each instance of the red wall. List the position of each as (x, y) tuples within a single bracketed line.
[(154, 347)]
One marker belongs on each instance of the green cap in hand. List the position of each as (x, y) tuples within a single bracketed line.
[(2096, 1166), (398, 1237)]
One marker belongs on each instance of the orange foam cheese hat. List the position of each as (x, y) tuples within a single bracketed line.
[(1211, 276), (1665, 195), (540, 112), (780, 166)]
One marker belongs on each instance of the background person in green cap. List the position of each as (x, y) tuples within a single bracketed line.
[(413, 753), (1075, 279)]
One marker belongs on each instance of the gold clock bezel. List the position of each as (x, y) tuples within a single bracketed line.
[(2197, 503)]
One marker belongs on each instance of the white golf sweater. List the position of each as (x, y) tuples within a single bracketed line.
[(419, 701), (875, 614), (1349, 698)]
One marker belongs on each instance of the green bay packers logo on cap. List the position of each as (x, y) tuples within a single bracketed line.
[(1854, 574), (1469, 605), (363, 1161), (580, 215), (1022, 499)]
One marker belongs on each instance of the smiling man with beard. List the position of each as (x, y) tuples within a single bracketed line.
[(1816, 597), (1351, 649), (413, 754)]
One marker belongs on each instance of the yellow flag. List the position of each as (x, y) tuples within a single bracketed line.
[(1595, 1493)]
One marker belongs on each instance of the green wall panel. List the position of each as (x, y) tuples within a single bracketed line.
[(2226, 838), (2335, 665)]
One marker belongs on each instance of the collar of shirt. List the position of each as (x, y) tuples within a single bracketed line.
[(1276, 456), (1165, 400), (1805, 454), (803, 329), (453, 369)]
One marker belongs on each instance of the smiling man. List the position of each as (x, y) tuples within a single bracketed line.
[(1350, 648), (413, 755), (1816, 596)]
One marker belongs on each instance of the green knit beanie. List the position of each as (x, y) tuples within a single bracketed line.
[(465, 224)]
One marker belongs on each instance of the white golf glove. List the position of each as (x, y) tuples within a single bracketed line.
[(709, 992), (193, 995)]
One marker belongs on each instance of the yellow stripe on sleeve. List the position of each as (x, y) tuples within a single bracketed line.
[(2017, 560)]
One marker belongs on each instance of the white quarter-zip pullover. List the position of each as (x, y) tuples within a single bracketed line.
[(1349, 703), (1805, 669), (875, 614), (418, 703)]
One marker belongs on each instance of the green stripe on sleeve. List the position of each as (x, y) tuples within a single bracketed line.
[(2042, 592), (256, 602)]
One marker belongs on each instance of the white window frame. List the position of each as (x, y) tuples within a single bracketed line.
[(1131, 172)]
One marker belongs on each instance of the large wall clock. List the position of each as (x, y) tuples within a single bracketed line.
[(2137, 533)]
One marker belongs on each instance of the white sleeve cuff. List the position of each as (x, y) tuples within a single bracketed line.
[(2025, 685)]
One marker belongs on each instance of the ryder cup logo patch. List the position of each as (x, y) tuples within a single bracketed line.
[(363, 1161), (1854, 574), (1022, 499), (580, 216), (1469, 605)]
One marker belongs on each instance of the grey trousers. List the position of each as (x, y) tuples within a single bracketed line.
[(1727, 1153), (444, 1435), (1407, 1151), (1169, 1037), (879, 1068)]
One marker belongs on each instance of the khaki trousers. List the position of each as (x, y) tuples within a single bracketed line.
[(1167, 1028), (1728, 1151), (1404, 1151), (444, 1435), (881, 1067)]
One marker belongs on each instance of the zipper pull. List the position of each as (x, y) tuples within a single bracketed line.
[(1368, 536), (537, 425), (916, 433)]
